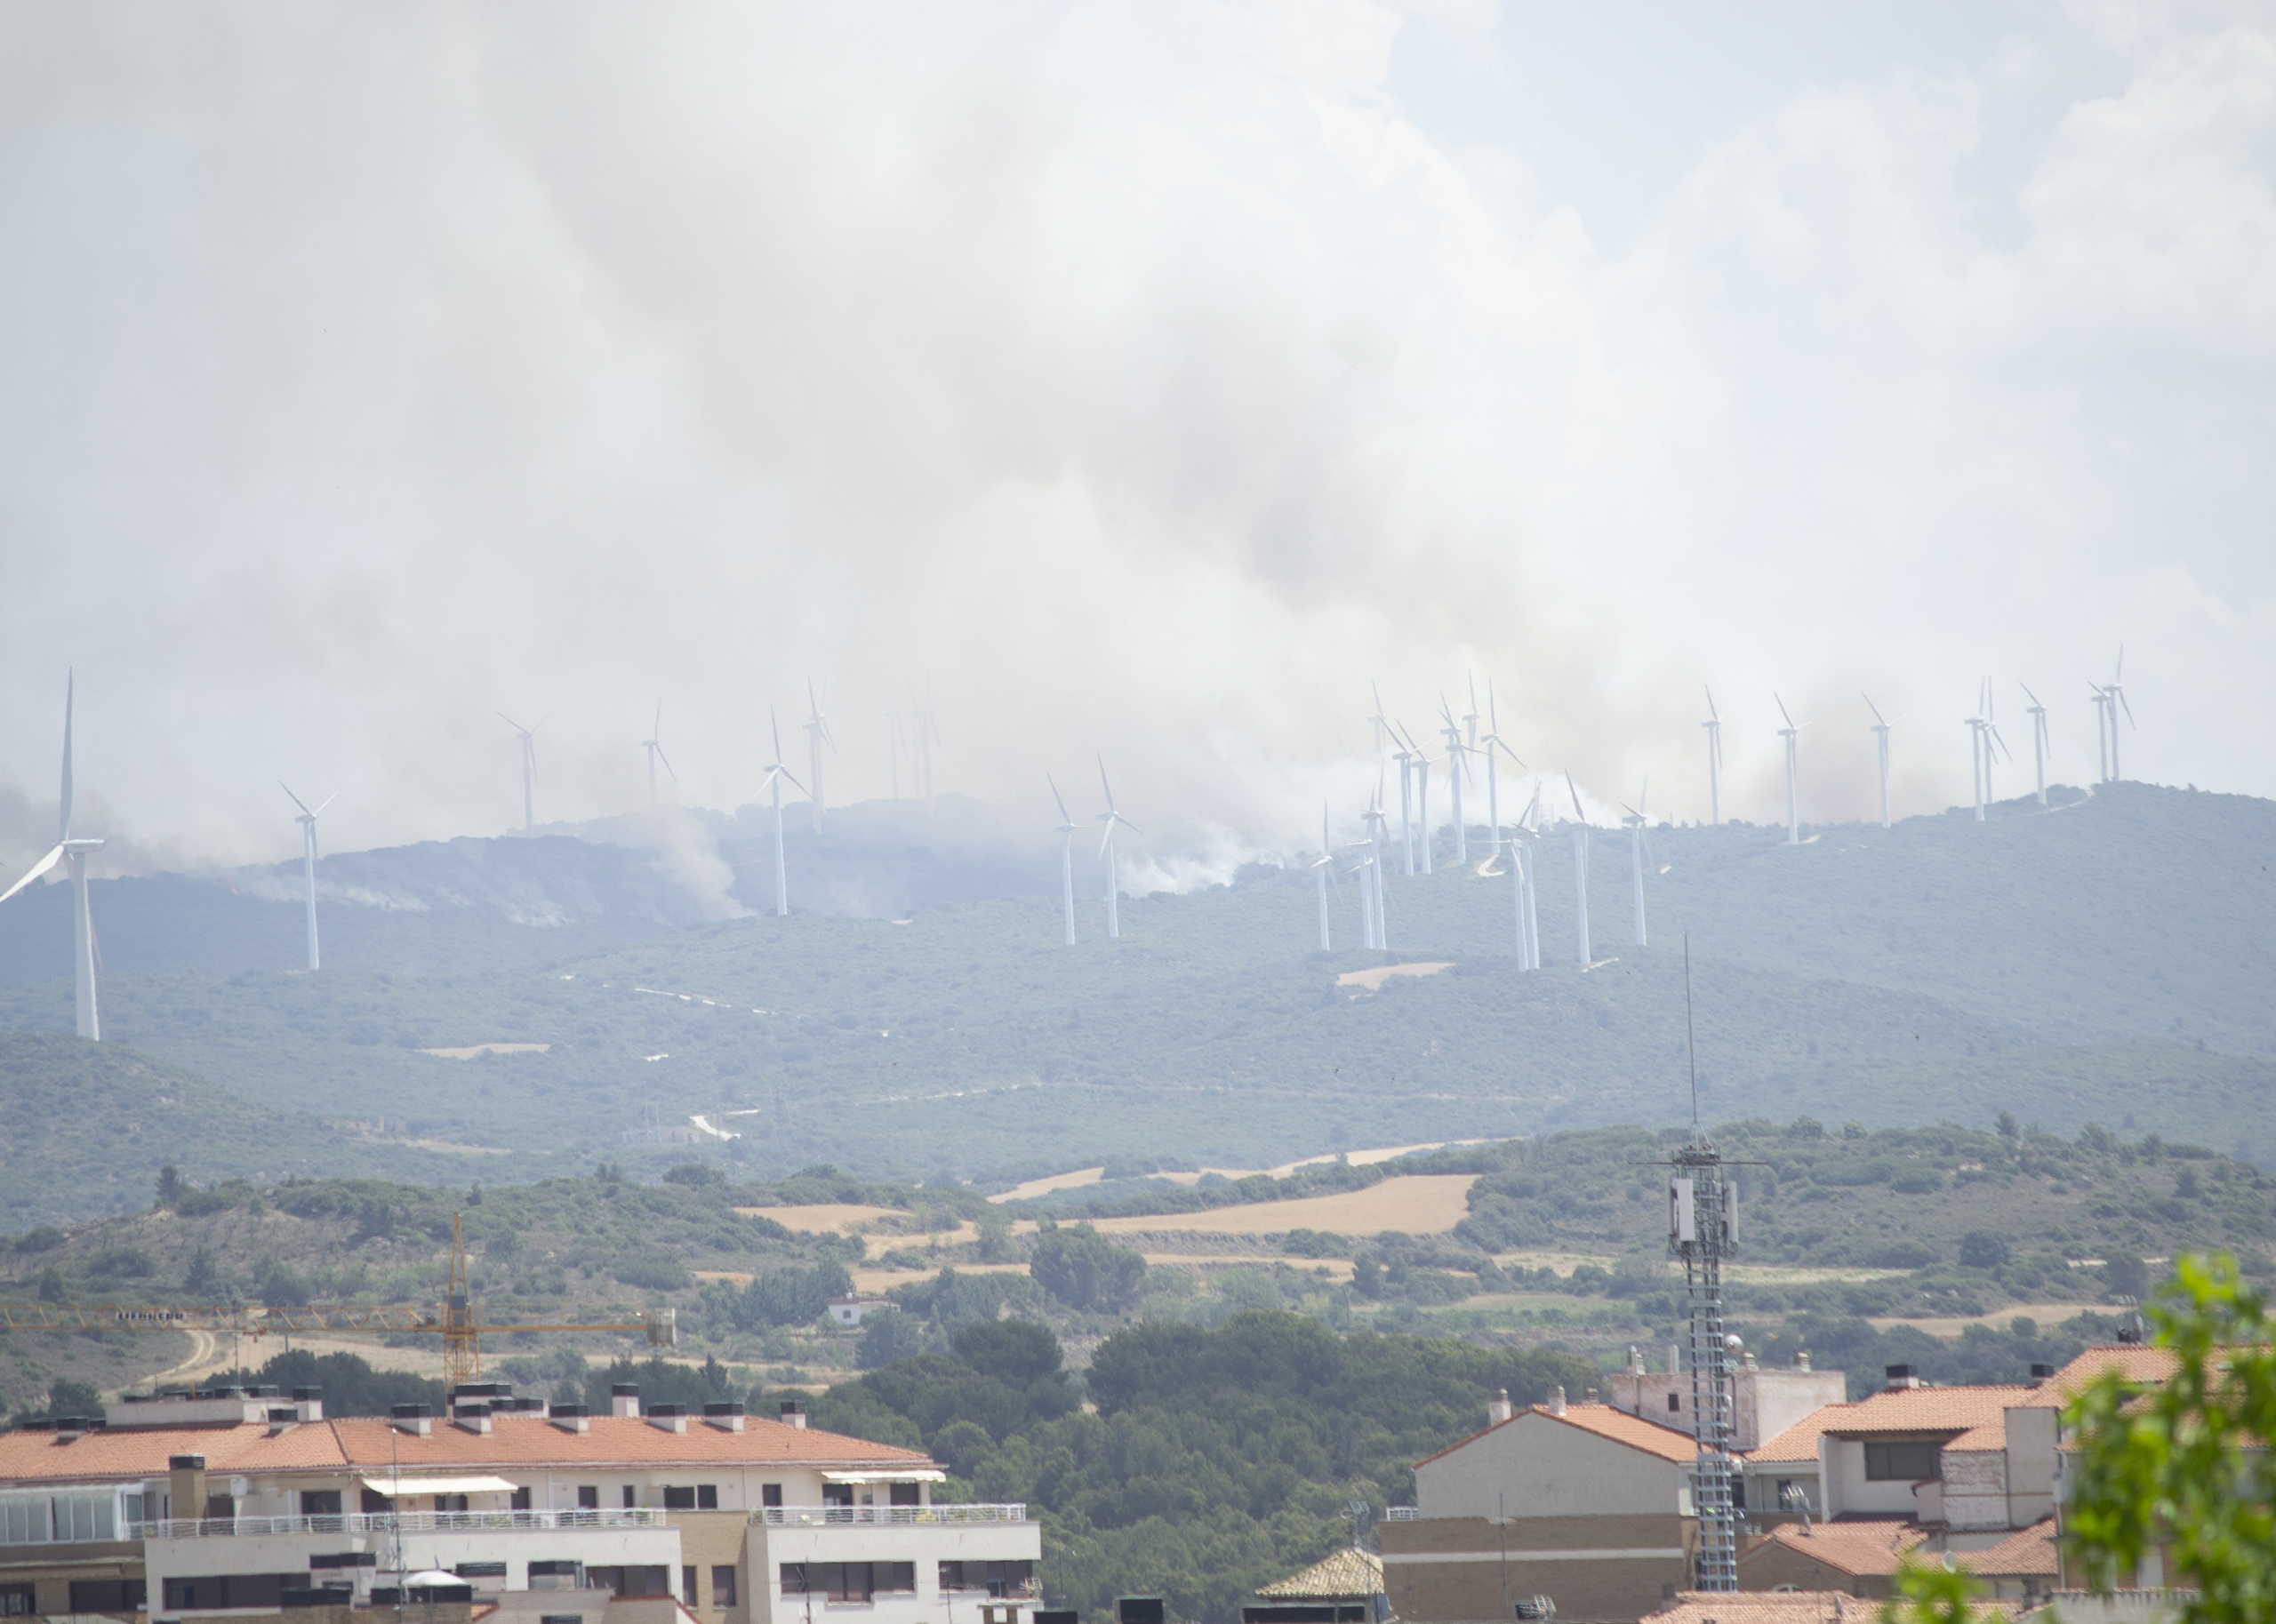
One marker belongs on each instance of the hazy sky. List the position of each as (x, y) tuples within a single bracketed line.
[(1147, 377)]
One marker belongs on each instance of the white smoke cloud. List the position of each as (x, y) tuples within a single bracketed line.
[(1147, 378)]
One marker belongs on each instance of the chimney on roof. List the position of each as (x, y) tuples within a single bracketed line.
[(572, 1417), (309, 1403), (624, 1401), (668, 1418), (1588, 1396), (1556, 1399), (1675, 1359), (412, 1420), (1801, 1358), (1635, 1360), (1901, 1377), (794, 1413), (2041, 1374), (470, 1417), (1498, 1408), (727, 1416), (186, 1485)]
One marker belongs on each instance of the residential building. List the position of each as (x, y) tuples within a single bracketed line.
[(1795, 1607), (1764, 1400), (1346, 1586), (229, 1502), (1585, 1504), (2022, 1567), (1859, 1558)]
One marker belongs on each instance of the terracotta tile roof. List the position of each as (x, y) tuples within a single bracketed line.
[(1870, 1546), (1790, 1607), (365, 1445), (2137, 1362), (1605, 1422), (2025, 1553), (1348, 1573), (1978, 1415)]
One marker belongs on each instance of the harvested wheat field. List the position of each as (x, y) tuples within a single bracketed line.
[(824, 1219), (1424, 1204)]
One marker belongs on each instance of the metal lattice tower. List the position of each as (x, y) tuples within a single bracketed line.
[(1701, 1209)]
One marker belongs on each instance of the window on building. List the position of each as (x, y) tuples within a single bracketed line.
[(723, 1586), (376, 1504), (770, 1494), (706, 1497), (319, 1503), (519, 1500), (849, 1581), (679, 1498), (687, 1587), (481, 1569), (588, 1497), (906, 1494), (1675, 1403), (630, 1580), (108, 1595), (630, 1493), (1909, 1462), (1738, 1492), (1001, 1580), (16, 1600), (837, 1499)]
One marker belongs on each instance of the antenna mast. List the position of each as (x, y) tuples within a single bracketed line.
[(1702, 1229)]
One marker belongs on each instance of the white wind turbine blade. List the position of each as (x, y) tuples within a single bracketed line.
[(1876, 709), (1065, 821), (53, 857), (1105, 785), (1126, 823), (1578, 815), (777, 729), (328, 800), (782, 771), (303, 805), (667, 760), (1783, 711), (1712, 713)]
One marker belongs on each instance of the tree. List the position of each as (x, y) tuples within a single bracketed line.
[(51, 1286), (1982, 1249), (169, 1185), (2184, 1467), (888, 1334), (1084, 1269), (696, 1175)]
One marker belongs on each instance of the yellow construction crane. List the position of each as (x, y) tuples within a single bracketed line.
[(454, 1320)]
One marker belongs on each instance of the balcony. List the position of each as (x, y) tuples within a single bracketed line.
[(397, 1522), (887, 1516)]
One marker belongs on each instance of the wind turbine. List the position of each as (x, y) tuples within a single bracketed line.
[(1517, 896), (1404, 754), (2039, 739), (73, 853), (817, 726), (1323, 870), (2102, 733), (1530, 823), (775, 773), (1793, 806), (1880, 729), (654, 744), (1714, 726), (928, 734), (528, 736), (1110, 818), (1580, 866), (308, 822), (1066, 828), (1457, 763), (1421, 803), (1376, 819), (1492, 742), (1992, 739), (2114, 694), (1637, 839)]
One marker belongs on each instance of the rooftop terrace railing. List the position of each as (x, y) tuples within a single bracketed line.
[(887, 1516), (396, 1522)]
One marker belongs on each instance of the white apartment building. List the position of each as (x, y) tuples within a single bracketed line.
[(240, 1502)]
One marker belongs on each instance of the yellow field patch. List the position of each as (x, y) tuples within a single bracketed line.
[(827, 1219), (1423, 1203), (1372, 979)]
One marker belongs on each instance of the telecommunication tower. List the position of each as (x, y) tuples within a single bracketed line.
[(1702, 1230)]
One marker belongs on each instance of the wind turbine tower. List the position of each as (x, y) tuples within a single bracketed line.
[(1531, 825), (1066, 828), (2114, 694), (1793, 804), (308, 822), (1580, 866), (1714, 726), (528, 736), (1880, 731), (1422, 800), (1372, 880), (1492, 743), (2038, 740), (817, 726), (654, 744), (73, 854), (776, 773), (1457, 751), (1636, 821), (1110, 818), (1323, 870)]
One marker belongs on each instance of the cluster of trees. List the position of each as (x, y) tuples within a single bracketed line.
[(1217, 1460)]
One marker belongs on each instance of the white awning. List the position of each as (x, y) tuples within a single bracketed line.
[(395, 1488), (921, 1474)]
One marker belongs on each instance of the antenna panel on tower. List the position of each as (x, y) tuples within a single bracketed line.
[(1683, 1218)]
